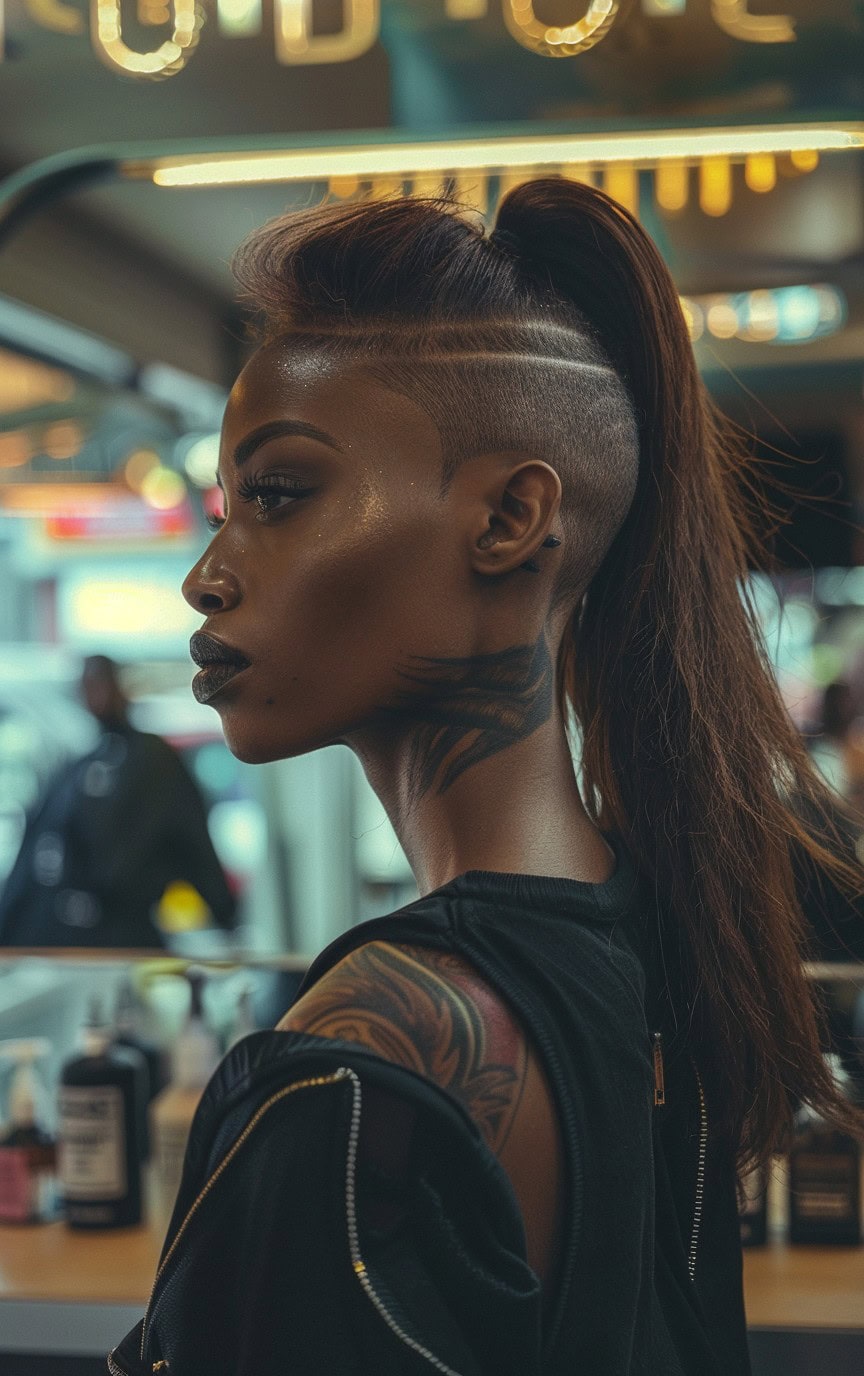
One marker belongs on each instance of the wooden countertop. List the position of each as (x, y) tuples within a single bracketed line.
[(785, 1287)]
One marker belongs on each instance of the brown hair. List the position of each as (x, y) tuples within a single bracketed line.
[(687, 749)]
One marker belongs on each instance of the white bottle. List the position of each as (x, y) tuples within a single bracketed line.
[(195, 1057)]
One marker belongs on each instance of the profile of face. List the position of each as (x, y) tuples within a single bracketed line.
[(339, 564)]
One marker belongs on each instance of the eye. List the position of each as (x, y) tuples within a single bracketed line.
[(271, 493)]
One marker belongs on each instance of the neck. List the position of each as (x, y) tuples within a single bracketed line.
[(475, 772)]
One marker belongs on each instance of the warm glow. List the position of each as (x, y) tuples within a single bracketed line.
[(466, 9), (671, 186), (296, 43), (722, 319), (120, 607), (62, 440), (344, 186), (237, 18), (760, 171), (734, 18), (763, 318), (15, 448), (804, 159), (565, 40), (25, 383), (621, 182), (169, 57), (163, 489), (715, 186), (515, 156), (138, 465)]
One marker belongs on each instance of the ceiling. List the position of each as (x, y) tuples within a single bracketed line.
[(148, 267)]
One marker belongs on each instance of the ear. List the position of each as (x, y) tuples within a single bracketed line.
[(520, 506)]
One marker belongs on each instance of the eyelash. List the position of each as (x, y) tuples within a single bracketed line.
[(253, 488)]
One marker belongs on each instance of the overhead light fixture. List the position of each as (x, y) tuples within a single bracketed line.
[(646, 148), (38, 335)]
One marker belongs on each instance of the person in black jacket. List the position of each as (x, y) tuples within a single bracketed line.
[(110, 832), (476, 497)]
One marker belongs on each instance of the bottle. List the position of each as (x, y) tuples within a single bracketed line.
[(28, 1152), (824, 1177), (102, 1100), (128, 1033), (196, 1056), (753, 1207)]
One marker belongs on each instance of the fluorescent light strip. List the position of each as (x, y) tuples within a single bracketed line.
[(406, 159)]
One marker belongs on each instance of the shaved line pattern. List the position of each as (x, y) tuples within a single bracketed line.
[(426, 1010)]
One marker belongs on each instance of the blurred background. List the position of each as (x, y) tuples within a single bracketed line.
[(137, 148)]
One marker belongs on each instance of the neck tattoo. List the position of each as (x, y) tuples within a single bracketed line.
[(468, 709)]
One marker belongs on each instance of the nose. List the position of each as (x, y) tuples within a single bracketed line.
[(210, 587)]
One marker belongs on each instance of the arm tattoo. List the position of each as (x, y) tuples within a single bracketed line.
[(468, 709), (426, 1010)]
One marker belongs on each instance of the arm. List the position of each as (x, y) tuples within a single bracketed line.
[(430, 1012)]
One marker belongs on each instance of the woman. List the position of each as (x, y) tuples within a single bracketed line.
[(475, 495)]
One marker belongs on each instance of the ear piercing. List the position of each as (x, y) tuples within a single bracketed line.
[(531, 565)]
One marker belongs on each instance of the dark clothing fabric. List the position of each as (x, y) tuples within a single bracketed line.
[(570, 959), (112, 831)]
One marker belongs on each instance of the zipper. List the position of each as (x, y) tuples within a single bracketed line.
[(114, 1369), (357, 1262), (659, 1101), (314, 1080), (700, 1172)]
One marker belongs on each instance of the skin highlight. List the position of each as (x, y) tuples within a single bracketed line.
[(383, 609)]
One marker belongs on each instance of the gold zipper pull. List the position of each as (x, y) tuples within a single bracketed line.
[(659, 1077)]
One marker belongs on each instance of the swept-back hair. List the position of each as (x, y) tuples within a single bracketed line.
[(562, 334)]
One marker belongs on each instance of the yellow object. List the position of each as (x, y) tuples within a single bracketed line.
[(715, 185), (182, 909)]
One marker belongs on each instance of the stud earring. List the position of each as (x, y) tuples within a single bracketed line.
[(531, 565)]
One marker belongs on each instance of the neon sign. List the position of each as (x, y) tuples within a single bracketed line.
[(297, 43)]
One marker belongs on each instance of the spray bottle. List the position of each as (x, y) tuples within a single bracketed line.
[(196, 1056), (28, 1154)]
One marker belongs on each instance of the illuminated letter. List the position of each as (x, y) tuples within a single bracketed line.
[(733, 18), (169, 57), (555, 40), (50, 14), (295, 43)]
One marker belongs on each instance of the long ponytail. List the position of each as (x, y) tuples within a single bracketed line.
[(687, 747)]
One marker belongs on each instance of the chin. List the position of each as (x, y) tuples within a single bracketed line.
[(258, 748)]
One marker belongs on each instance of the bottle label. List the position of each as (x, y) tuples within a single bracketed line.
[(15, 1194), (92, 1142)]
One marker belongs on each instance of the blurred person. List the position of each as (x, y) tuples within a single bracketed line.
[(837, 745), (475, 493), (112, 830)]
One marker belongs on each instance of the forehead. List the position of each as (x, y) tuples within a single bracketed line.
[(288, 379)]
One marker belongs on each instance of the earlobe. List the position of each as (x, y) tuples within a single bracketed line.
[(520, 508)]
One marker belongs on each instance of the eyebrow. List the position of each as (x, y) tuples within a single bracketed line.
[(274, 429)]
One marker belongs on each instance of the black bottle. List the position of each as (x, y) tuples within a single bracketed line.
[(127, 1034), (102, 1100)]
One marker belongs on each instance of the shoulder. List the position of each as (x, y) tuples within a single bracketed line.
[(431, 1012)]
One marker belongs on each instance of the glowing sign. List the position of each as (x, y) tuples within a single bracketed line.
[(297, 43)]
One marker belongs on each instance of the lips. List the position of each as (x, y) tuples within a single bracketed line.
[(218, 664)]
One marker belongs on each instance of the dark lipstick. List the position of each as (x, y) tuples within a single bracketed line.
[(218, 664)]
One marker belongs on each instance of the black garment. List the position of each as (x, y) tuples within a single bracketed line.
[(113, 829), (262, 1279)]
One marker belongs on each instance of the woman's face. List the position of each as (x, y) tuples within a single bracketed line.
[(337, 561)]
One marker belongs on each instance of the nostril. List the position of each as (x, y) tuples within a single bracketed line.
[(209, 602)]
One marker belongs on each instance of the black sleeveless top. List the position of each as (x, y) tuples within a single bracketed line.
[(649, 1284)]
